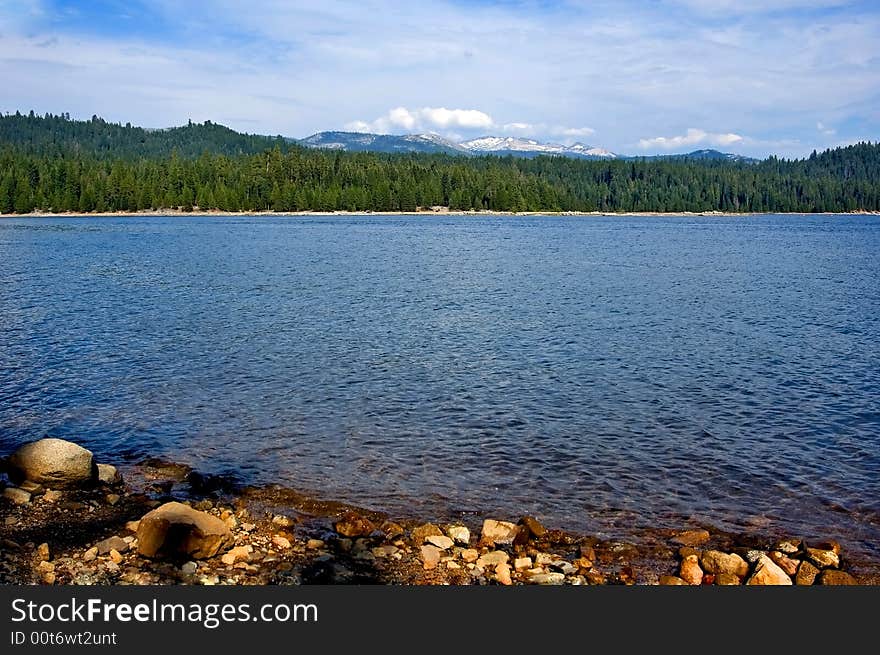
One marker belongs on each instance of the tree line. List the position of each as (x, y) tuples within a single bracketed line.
[(50, 163)]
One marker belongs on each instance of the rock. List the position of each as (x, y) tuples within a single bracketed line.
[(237, 554), (43, 553), (828, 544), (48, 577), (786, 563), (727, 580), (564, 566), (459, 534), (109, 544), (583, 563), (248, 527), (837, 578), (45, 567), (587, 552), (90, 555), (502, 574), (470, 555), (788, 546), (493, 558), (691, 538), (806, 574), (112, 499), (522, 563), (420, 534), (189, 568), (107, 474), (499, 533), (672, 581), (443, 543), (175, 529), (430, 556), (385, 551), (391, 530), (552, 578), (53, 462), (280, 542), (16, 495), (684, 551), (824, 559), (596, 577), (31, 487), (314, 544), (115, 556), (283, 521), (715, 562), (768, 573), (690, 570), (353, 525), (52, 496), (452, 565), (534, 526)]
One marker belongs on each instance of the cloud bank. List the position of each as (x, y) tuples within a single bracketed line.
[(693, 137)]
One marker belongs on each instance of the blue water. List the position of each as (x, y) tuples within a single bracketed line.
[(606, 374)]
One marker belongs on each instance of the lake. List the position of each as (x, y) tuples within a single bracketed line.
[(606, 374)]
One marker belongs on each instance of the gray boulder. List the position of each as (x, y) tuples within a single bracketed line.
[(54, 463)]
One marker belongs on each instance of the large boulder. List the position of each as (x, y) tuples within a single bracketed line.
[(54, 463), (175, 529)]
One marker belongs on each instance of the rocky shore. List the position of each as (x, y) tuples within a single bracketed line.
[(65, 519)]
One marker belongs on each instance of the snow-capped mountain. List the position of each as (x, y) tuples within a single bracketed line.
[(530, 148), (495, 145), (500, 146)]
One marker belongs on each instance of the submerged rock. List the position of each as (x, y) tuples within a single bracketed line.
[(691, 538), (53, 462), (177, 529)]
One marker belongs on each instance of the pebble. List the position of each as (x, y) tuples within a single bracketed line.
[(280, 542), (314, 544), (430, 556), (385, 551), (690, 571), (90, 555), (443, 543), (283, 521), (789, 546), (767, 572), (824, 559), (787, 564), (43, 552), (522, 563), (115, 556), (502, 574), (237, 554), (132, 526), (420, 534), (552, 578), (51, 496), (493, 558), (16, 495), (727, 580), (452, 565), (806, 574), (112, 499), (534, 526), (189, 568), (114, 542), (470, 555), (672, 581), (248, 527), (459, 534), (500, 533)]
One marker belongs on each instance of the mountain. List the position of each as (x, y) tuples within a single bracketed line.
[(500, 145), (705, 155), (389, 143)]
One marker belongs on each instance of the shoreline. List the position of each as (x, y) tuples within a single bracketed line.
[(279, 535), (264, 213)]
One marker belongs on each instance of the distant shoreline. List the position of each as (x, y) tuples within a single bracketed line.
[(179, 212)]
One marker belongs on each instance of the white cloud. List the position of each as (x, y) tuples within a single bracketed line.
[(574, 131), (693, 137), (826, 130), (521, 128), (426, 118)]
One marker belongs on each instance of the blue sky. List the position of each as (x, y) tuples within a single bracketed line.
[(749, 76)]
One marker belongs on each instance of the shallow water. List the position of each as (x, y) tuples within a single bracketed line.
[(606, 374)]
